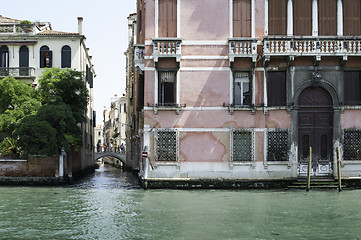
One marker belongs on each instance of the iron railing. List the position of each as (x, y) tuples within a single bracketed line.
[(18, 72)]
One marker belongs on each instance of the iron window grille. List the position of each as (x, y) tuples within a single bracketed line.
[(352, 144), (277, 145), (166, 145), (242, 145)]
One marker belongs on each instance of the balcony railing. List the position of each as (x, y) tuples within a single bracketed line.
[(139, 56), (19, 72), (242, 47), (167, 47), (312, 46), (16, 28)]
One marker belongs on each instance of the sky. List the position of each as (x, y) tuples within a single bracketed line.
[(105, 27)]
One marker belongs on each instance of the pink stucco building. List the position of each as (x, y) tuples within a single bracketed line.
[(239, 90)]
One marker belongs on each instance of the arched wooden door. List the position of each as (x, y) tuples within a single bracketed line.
[(315, 123)]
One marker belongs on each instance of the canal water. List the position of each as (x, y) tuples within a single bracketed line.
[(111, 205)]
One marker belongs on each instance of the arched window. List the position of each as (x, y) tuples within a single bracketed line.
[(66, 57), (46, 57), (4, 61), (24, 61), (4, 56)]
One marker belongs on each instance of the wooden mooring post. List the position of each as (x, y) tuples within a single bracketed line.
[(339, 169), (309, 171)]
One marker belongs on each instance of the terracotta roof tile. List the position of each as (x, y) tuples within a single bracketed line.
[(8, 20), (52, 32)]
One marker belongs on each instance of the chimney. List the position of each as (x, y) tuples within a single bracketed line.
[(80, 25)]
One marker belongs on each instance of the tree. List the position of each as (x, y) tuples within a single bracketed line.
[(17, 100), (36, 137), (69, 86)]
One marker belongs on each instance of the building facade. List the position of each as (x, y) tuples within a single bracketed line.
[(241, 89), (26, 49)]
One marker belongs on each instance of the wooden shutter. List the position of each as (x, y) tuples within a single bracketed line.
[(277, 17), (241, 18), (327, 17), (276, 89), (352, 88), (302, 17), (351, 17), (167, 25)]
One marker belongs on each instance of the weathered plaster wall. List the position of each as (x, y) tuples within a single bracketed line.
[(198, 24)]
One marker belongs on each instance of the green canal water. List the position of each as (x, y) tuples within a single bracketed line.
[(111, 205)]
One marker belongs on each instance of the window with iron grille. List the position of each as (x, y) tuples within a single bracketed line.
[(242, 145), (352, 144), (166, 145), (277, 145)]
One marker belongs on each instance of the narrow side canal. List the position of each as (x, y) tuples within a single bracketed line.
[(111, 205)]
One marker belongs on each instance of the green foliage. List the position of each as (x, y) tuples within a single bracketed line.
[(36, 137), (69, 86), (9, 146), (26, 25), (17, 100)]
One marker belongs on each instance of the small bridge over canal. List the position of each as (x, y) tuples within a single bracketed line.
[(119, 156)]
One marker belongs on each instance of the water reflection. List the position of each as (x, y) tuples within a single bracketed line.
[(110, 205)]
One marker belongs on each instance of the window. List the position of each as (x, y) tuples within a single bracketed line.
[(4, 56), (351, 144), (327, 17), (276, 89), (241, 89), (277, 17), (167, 26), (166, 145), (125, 107), (277, 145), (241, 18), (302, 17), (167, 88), (24, 61), (351, 17), (352, 88), (242, 145), (46, 57), (66, 57)]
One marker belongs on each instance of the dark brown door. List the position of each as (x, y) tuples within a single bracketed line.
[(315, 120)]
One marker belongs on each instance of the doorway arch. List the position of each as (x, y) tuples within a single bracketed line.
[(315, 129)]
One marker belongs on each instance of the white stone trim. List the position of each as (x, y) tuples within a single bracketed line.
[(198, 43), (230, 129), (156, 87), (149, 69), (231, 18), (230, 87), (265, 89), (204, 69), (314, 18), (178, 88), (253, 24), (205, 57), (253, 88), (266, 17), (178, 18), (339, 18), (290, 18), (156, 18)]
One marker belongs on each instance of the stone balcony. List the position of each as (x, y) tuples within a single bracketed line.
[(316, 47), (18, 72), (167, 48), (242, 48), (139, 56)]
